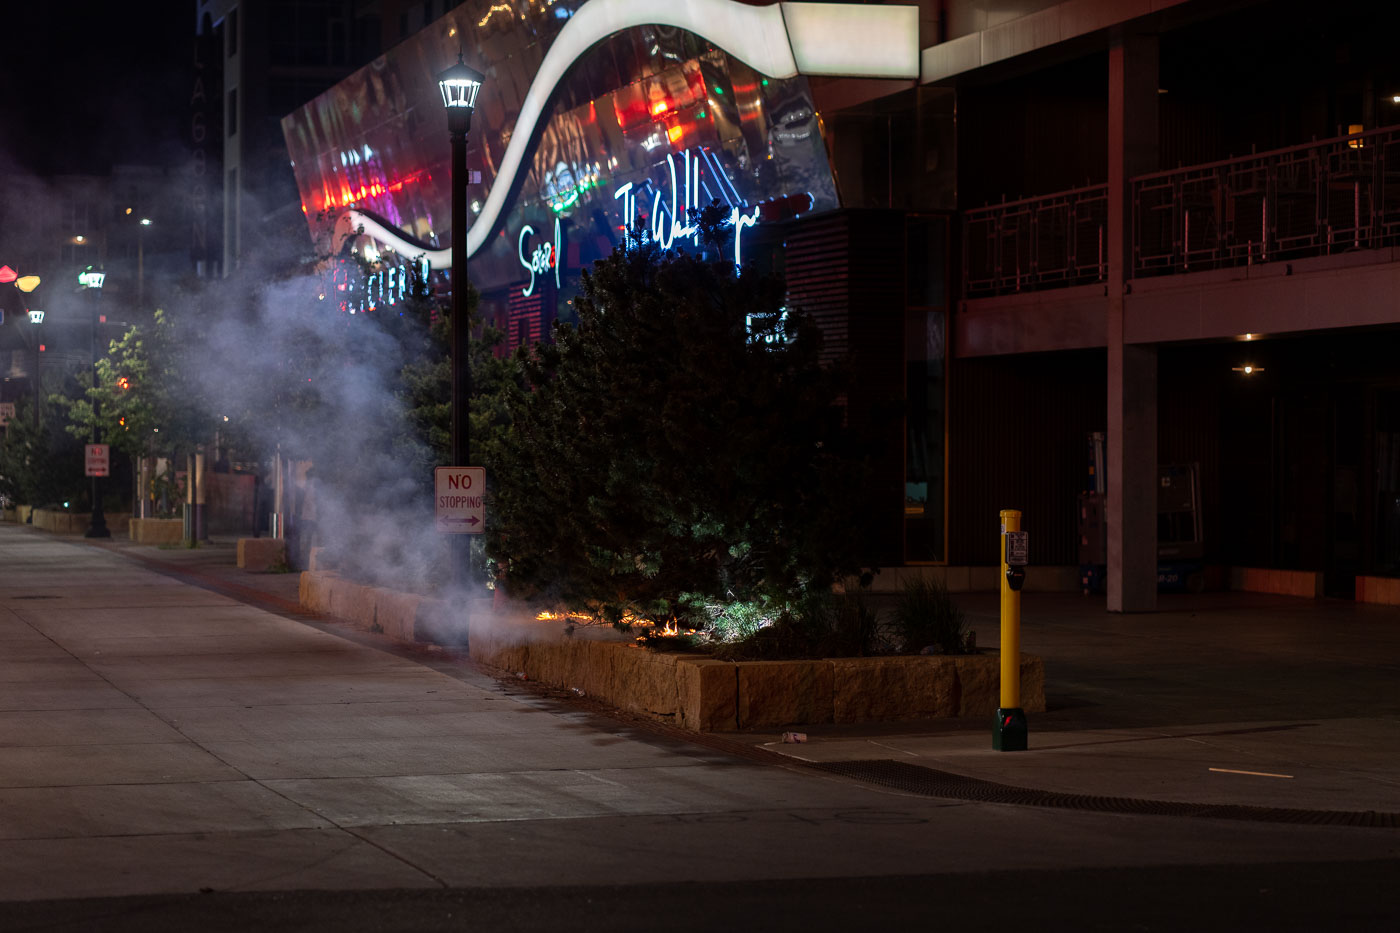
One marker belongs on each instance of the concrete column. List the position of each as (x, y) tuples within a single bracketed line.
[(1131, 517)]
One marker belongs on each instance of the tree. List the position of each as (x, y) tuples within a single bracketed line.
[(681, 444), (425, 389), (40, 464), (144, 388)]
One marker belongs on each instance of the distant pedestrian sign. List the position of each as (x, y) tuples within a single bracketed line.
[(459, 500), (97, 459)]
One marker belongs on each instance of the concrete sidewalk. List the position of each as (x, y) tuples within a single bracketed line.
[(1220, 698), (160, 739), (1229, 698)]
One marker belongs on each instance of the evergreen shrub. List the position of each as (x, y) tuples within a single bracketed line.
[(680, 446)]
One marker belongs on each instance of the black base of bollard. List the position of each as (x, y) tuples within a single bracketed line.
[(1009, 731)]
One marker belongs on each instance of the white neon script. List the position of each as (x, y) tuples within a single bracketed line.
[(670, 220), (545, 256)]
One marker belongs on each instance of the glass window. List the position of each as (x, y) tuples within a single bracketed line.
[(925, 360)]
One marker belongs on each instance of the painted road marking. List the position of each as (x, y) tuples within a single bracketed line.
[(1253, 773)]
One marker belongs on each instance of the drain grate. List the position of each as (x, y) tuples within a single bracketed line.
[(928, 782)]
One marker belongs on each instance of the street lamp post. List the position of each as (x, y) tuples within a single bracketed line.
[(141, 261), (98, 526), (459, 85)]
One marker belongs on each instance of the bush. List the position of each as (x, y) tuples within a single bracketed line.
[(821, 625), (667, 448), (927, 615)]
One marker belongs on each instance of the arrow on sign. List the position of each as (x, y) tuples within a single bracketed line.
[(473, 520)]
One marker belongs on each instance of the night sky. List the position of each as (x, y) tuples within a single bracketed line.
[(87, 85)]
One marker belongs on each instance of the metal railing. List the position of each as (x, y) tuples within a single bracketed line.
[(1315, 199), (1311, 200), (1036, 243)]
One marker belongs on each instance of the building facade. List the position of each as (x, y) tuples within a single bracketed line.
[(1100, 248)]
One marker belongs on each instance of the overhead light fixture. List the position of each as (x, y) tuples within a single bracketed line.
[(1248, 369)]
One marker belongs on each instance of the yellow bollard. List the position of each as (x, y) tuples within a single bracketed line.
[(1009, 733)]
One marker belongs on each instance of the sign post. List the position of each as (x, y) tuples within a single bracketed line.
[(459, 500), (98, 459)]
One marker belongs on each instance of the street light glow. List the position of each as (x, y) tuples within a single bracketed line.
[(145, 221), (459, 85)]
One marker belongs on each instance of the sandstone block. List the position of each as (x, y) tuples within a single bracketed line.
[(979, 683), (649, 679), (314, 591), (394, 612), (707, 694), (776, 693), (872, 689), (259, 555), (600, 674), (437, 623)]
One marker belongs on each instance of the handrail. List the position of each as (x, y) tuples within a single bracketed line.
[(1313, 199), (1002, 205), (1035, 243), (1316, 199)]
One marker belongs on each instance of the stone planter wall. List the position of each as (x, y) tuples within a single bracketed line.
[(717, 696), (9, 513), (60, 522), (57, 521), (1383, 590), (157, 530), (693, 691), (1305, 583), (259, 555)]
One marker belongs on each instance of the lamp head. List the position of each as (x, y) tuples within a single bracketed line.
[(459, 85)]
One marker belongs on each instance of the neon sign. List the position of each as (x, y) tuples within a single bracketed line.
[(669, 220), (387, 287), (90, 279), (36, 316), (546, 256)]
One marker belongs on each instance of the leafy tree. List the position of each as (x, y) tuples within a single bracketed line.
[(40, 464), (681, 444), (144, 389)]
